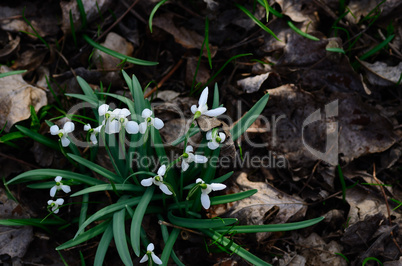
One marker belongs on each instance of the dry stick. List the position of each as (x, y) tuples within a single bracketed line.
[(388, 209), (179, 227), (165, 78)]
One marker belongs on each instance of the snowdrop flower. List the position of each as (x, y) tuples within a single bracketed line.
[(189, 157), (54, 204), (150, 253), (206, 189), (93, 131), (156, 122), (202, 108), (215, 138), (158, 180), (118, 119), (59, 186), (62, 133)]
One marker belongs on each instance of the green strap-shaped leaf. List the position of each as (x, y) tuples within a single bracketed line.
[(270, 227), (91, 233), (10, 73), (167, 250), (200, 223), (254, 260), (249, 118), (39, 138), (232, 197), (42, 174), (103, 245), (88, 91), (118, 55), (96, 168), (84, 98), (104, 187), (136, 222), (119, 234)]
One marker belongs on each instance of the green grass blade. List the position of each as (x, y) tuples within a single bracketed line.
[(200, 223), (377, 48), (335, 50), (271, 10), (207, 42), (87, 235), (232, 197), (10, 73), (84, 209), (32, 222), (11, 136), (249, 118), (254, 260), (83, 15), (165, 236), (270, 227), (259, 23), (96, 168), (85, 98), (104, 187), (43, 174), (167, 250), (119, 234), (298, 31), (222, 178), (39, 138), (151, 16), (215, 102), (36, 34), (87, 90), (118, 55), (136, 222), (103, 245)]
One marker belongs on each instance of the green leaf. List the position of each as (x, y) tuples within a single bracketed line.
[(39, 138), (87, 235), (200, 223), (151, 16), (118, 55), (335, 50), (259, 23), (232, 197), (298, 31), (10, 73), (167, 250), (44, 224), (136, 222), (96, 168), (193, 131), (377, 48), (119, 234), (84, 98), (245, 122), (87, 90), (254, 260), (121, 98), (42, 174), (11, 136), (103, 187), (270, 227), (103, 245)]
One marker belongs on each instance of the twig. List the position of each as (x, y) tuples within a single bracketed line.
[(179, 227)]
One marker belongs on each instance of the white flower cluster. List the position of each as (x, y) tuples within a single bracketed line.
[(55, 204)]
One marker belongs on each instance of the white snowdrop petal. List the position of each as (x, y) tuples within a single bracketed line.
[(125, 112), (53, 191), (147, 182), (184, 165), (200, 158), (194, 109), (199, 180), (132, 127), (112, 127), (158, 123), (217, 186), (49, 202), (144, 259), (215, 112), (222, 136), (209, 135), (156, 259), (93, 139), (162, 170), (165, 189), (103, 109), (205, 201), (58, 178), (143, 127), (189, 148), (65, 141), (66, 188), (150, 247), (87, 127), (54, 130), (59, 201), (203, 97), (68, 127), (212, 145), (55, 209), (146, 113)]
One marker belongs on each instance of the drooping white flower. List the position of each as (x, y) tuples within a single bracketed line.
[(206, 189), (157, 180), (103, 109), (156, 122), (93, 131), (116, 119), (54, 204), (202, 108), (62, 133), (189, 157), (215, 138), (150, 253), (59, 186)]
